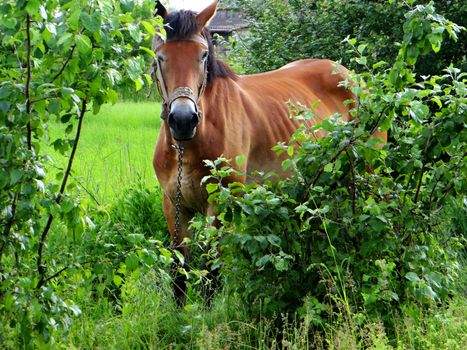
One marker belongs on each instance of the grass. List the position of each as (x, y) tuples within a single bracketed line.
[(114, 154), (115, 149), (147, 318)]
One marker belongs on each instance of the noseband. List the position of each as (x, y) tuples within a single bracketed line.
[(183, 91)]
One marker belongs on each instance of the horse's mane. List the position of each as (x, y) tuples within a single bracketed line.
[(182, 25)]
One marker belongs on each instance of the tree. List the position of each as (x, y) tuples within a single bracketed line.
[(283, 31), (59, 59)]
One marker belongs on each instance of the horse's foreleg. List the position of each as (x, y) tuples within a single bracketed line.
[(179, 283)]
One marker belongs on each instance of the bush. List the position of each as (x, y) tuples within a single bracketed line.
[(342, 237)]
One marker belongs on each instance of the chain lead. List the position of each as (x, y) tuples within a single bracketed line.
[(178, 193)]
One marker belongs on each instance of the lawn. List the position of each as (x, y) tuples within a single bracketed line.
[(115, 149)]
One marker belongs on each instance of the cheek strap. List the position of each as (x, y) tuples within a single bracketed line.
[(156, 74)]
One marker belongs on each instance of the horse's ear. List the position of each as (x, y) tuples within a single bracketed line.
[(160, 10), (204, 17)]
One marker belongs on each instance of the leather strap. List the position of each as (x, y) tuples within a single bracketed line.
[(180, 91)]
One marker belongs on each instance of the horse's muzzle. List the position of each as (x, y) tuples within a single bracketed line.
[(183, 119)]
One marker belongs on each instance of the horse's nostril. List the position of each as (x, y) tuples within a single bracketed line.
[(194, 118)]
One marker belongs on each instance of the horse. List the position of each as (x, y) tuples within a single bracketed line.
[(209, 111)]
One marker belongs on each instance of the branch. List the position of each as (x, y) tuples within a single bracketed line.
[(451, 168), (90, 261), (65, 64), (41, 268), (20, 64), (352, 184), (420, 179), (333, 159), (28, 80), (378, 121)]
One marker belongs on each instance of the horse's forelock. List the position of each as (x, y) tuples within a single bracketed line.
[(182, 25)]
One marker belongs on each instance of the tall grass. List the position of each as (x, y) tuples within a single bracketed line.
[(147, 317)]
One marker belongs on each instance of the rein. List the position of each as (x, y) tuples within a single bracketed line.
[(178, 193)]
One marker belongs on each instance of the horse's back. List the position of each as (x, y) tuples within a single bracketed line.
[(305, 81)]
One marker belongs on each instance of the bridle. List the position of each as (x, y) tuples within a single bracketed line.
[(183, 91)]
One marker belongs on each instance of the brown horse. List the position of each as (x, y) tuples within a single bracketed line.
[(211, 111)]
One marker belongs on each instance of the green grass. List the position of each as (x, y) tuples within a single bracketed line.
[(147, 318), (115, 149), (114, 154)]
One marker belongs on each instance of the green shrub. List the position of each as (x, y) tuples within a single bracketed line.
[(339, 236)]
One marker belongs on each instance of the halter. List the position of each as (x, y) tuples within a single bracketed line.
[(183, 91)]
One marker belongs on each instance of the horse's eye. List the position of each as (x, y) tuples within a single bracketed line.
[(205, 56), (160, 59)]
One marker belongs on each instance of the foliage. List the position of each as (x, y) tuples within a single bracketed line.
[(282, 31), (358, 227), (57, 60), (393, 232)]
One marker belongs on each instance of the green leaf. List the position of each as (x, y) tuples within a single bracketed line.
[(73, 20), (180, 257), (131, 262), (118, 280), (361, 60), (9, 23), (281, 264), (32, 7), (139, 83), (328, 168), (15, 176), (91, 22), (43, 12), (210, 188), (4, 92), (134, 69), (148, 51), (83, 43), (239, 160), (149, 27), (66, 117), (263, 261), (412, 276), (51, 28), (135, 237), (135, 32)]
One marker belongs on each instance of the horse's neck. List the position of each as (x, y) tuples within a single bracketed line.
[(218, 91), (209, 141)]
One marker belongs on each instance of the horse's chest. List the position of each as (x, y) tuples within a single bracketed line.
[(193, 195)]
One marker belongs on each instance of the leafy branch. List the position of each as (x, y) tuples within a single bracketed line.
[(65, 64), (41, 268)]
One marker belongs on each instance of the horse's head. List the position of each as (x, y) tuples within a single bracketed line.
[(182, 67)]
